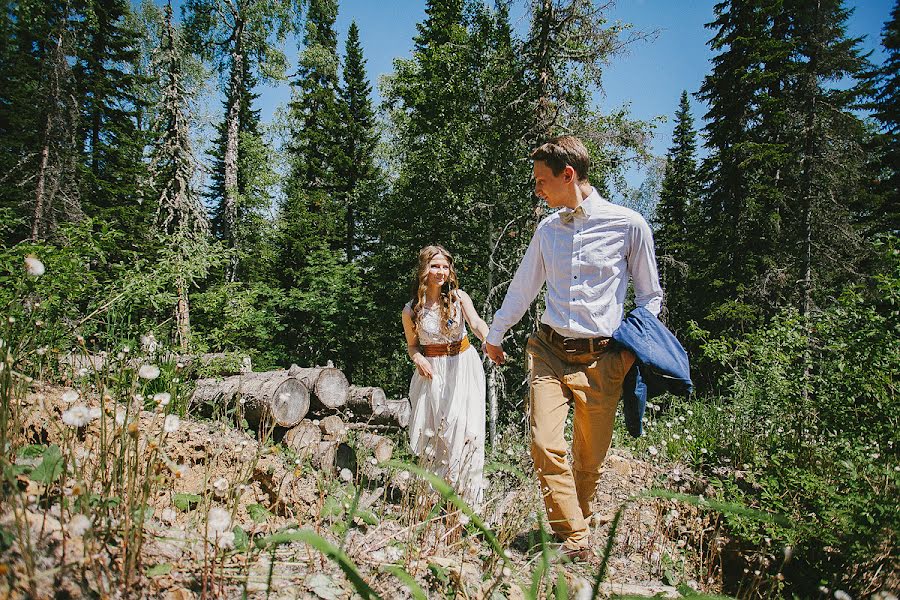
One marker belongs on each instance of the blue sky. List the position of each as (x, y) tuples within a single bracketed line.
[(649, 77)]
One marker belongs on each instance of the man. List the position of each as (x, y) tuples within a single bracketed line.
[(585, 253)]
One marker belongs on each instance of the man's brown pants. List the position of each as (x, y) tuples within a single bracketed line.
[(593, 383)]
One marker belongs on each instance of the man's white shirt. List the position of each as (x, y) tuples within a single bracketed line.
[(585, 264)]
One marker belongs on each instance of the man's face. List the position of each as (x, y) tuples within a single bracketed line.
[(554, 189)]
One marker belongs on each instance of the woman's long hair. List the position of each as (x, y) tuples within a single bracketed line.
[(448, 290)]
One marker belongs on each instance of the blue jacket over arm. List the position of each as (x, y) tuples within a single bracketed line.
[(661, 366)]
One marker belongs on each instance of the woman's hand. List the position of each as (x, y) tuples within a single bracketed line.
[(423, 366)]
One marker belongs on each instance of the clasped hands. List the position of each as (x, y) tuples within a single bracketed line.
[(495, 353)]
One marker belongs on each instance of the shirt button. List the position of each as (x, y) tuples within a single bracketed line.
[(576, 277)]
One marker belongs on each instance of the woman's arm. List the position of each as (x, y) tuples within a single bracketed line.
[(479, 327), (412, 345)]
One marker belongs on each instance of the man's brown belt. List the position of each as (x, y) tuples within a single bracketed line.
[(577, 345), (445, 349)]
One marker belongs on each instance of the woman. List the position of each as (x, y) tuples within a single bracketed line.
[(447, 390)]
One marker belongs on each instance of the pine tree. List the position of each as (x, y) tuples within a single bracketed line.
[(38, 120), (785, 159), (677, 226), (235, 35), (359, 174), (886, 109), (180, 216), (112, 165)]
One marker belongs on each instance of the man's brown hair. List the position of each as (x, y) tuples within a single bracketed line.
[(561, 151)]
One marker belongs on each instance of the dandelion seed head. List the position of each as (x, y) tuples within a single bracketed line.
[(507, 571), (78, 525), (841, 595), (404, 475), (652, 451), (171, 423), (33, 266), (162, 398), (225, 540), (77, 416), (220, 486), (41, 351), (70, 396), (463, 520), (346, 475), (148, 372), (167, 516)]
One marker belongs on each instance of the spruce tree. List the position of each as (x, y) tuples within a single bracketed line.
[(112, 168), (236, 37), (181, 218), (785, 160), (676, 223), (886, 110), (358, 174)]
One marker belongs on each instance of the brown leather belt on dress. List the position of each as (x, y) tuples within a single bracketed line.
[(577, 345), (445, 349)]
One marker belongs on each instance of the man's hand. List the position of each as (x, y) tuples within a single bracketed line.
[(495, 353)]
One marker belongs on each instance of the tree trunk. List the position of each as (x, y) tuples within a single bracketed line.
[(328, 385), (371, 404), (182, 317), (266, 397), (231, 150)]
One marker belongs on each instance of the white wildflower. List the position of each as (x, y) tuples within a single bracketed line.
[(41, 351), (841, 595), (78, 525), (77, 416), (652, 450), (676, 436), (181, 471), (162, 398), (703, 451), (217, 523), (33, 266), (69, 396), (220, 486), (225, 540), (148, 372), (346, 475), (373, 461), (171, 423)]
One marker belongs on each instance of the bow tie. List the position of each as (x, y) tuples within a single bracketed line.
[(569, 215)]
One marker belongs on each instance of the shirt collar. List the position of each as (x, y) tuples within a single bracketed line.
[(589, 204)]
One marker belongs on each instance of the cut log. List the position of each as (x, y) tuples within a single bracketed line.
[(329, 386), (371, 404), (382, 448), (333, 428), (334, 455), (303, 438), (275, 397)]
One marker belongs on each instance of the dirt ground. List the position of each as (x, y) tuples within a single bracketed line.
[(267, 489)]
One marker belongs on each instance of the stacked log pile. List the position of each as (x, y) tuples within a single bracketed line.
[(319, 409)]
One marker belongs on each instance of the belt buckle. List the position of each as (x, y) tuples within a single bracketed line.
[(565, 343)]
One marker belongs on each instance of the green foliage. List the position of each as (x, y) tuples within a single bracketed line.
[(807, 428)]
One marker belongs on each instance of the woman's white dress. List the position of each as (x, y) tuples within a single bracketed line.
[(446, 428)]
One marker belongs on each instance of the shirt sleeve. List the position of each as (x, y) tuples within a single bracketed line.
[(642, 267), (525, 285)]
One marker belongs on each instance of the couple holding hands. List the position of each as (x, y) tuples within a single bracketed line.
[(585, 253)]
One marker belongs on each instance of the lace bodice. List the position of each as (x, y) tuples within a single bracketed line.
[(428, 326)]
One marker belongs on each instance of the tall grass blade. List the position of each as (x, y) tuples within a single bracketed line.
[(415, 589), (450, 495), (332, 552)]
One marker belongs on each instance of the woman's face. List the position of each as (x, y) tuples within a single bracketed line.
[(438, 270)]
